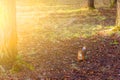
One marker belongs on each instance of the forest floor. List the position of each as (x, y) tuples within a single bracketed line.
[(50, 53)]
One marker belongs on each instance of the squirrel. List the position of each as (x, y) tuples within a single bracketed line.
[(81, 54)]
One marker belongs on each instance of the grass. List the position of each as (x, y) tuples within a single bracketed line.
[(54, 28), (63, 33), (72, 10)]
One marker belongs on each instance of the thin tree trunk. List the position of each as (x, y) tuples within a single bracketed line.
[(113, 3), (91, 4), (118, 14), (8, 35)]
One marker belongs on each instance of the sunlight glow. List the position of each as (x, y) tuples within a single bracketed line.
[(7, 30)]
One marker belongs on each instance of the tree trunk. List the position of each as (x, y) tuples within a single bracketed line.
[(118, 14), (8, 34), (91, 4), (113, 3)]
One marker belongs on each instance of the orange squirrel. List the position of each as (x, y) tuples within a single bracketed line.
[(81, 54)]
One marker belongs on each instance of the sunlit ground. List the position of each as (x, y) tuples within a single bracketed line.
[(42, 23)]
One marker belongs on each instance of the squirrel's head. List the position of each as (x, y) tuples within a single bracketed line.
[(83, 48)]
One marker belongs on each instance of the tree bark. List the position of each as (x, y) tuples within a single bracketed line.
[(91, 4), (8, 34), (118, 14)]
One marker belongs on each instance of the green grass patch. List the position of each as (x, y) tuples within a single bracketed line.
[(63, 33), (72, 10)]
